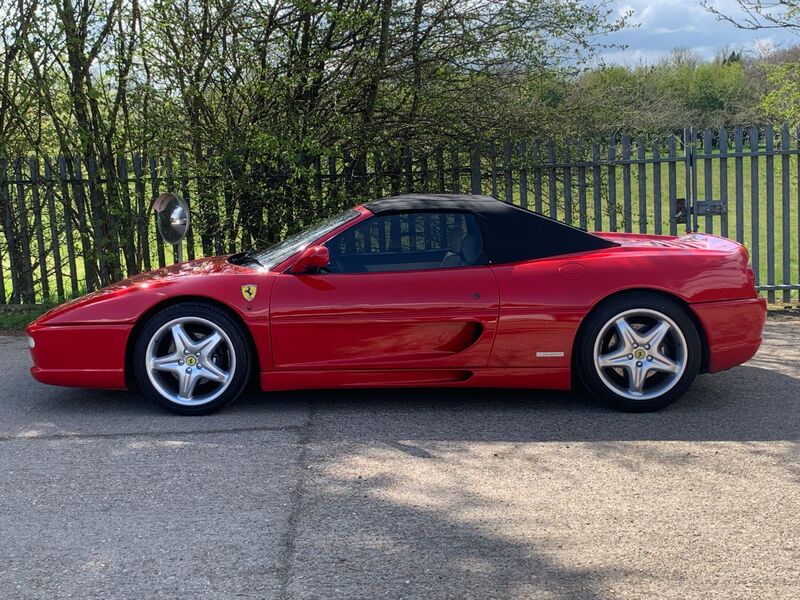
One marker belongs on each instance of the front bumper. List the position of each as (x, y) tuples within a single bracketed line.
[(88, 356), (733, 330)]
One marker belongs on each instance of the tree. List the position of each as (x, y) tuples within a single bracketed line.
[(761, 14), (783, 91), (256, 92)]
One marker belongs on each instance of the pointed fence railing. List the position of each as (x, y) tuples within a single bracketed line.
[(71, 224)]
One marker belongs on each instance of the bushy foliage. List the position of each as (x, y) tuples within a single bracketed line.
[(782, 100), (283, 77), (677, 92)]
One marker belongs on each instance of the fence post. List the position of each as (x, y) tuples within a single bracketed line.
[(142, 218), (377, 178), (739, 183), (688, 155), (537, 178), (641, 171), (423, 174), (110, 210), (154, 192), (8, 229), (597, 192), (55, 242), (333, 183), (493, 164), (612, 183), (170, 176), (44, 283), (408, 168), (672, 184), (797, 212), (755, 250), (769, 140), (455, 168), (552, 189), (693, 177), (229, 207), (582, 209), (185, 192), (475, 169), (129, 239), (523, 175), (394, 164), (657, 218), (28, 293), (508, 173), (708, 176), (100, 242), (723, 179), (786, 242), (63, 177), (626, 184), (2, 280), (567, 184), (438, 154)]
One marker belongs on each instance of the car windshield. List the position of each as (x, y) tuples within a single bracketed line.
[(282, 250)]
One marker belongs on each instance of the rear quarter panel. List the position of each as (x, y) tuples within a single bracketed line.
[(543, 302)]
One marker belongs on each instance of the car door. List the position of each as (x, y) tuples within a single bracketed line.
[(397, 297)]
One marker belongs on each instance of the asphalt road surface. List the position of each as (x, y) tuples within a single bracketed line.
[(404, 494)]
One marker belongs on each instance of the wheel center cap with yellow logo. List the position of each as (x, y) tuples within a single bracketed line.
[(191, 361), (639, 354)]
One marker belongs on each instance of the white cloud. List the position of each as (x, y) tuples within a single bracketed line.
[(643, 56), (764, 46), (658, 26), (673, 15)]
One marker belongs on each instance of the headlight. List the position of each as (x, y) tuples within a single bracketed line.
[(31, 343)]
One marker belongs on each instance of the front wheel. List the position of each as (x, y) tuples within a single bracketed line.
[(639, 352), (192, 359)]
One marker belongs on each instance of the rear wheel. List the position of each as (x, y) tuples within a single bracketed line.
[(639, 352), (192, 359)]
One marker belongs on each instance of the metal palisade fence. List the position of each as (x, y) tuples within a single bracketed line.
[(73, 224)]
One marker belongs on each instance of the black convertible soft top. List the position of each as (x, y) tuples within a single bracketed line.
[(510, 233)]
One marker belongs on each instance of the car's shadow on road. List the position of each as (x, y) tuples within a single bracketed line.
[(745, 404)]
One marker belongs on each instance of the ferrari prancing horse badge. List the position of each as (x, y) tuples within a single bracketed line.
[(249, 292)]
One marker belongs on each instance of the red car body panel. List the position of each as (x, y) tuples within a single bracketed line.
[(732, 329), (100, 324), (402, 320), (509, 325), (96, 355)]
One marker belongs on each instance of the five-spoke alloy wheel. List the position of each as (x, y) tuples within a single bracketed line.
[(640, 351), (192, 358)]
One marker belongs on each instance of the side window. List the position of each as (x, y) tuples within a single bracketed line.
[(408, 241)]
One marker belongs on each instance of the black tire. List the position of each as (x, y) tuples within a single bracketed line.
[(238, 347), (596, 324)]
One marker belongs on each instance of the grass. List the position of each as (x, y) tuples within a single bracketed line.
[(16, 318)]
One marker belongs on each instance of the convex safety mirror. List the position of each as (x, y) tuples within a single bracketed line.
[(172, 216)]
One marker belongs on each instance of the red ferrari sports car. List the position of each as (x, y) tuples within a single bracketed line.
[(418, 290)]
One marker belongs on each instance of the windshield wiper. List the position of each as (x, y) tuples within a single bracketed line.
[(248, 257)]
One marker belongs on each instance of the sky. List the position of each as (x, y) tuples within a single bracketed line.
[(668, 24)]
